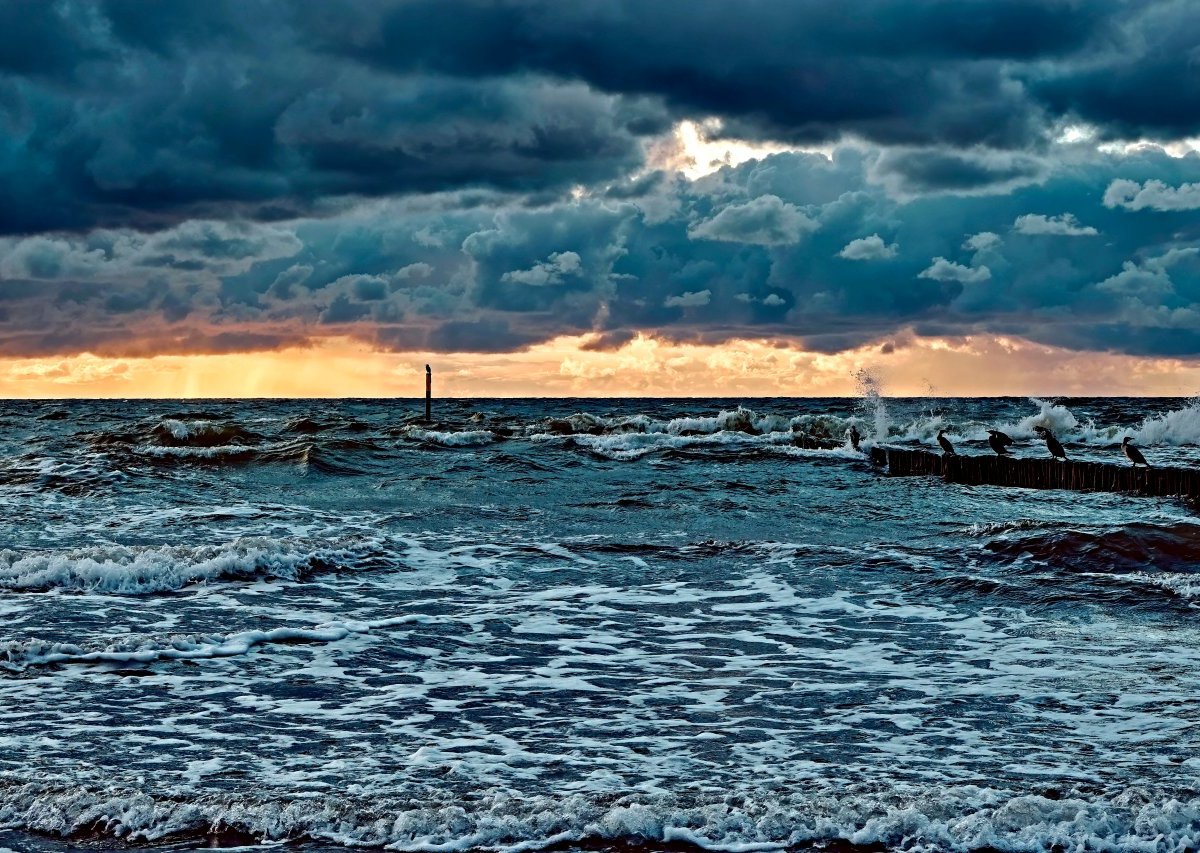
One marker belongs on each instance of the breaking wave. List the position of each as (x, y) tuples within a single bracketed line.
[(130, 570), (1129, 548), (956, 819), (20, 655)]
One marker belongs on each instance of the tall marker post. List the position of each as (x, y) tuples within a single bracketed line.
[(428, 393)]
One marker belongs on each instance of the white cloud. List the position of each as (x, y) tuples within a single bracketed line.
[(1065, 225), (944, 270), (869, 249), (764, 221), (982, 241), (773, 300), (418, 270), (203, 248), (688, 300), (1154, 195), (547, 272), (1151, 279)]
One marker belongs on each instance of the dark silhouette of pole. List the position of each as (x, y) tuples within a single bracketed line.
[(428, 393)]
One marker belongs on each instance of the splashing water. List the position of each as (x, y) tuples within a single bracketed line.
[(1176, 427), (870, 389)]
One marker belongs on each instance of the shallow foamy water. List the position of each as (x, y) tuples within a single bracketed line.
[(584, 623)]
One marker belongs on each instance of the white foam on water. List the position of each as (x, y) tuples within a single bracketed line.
[(181, 430), (465, 438), (139, 570), (740, 420), (629, 446), (187, 451), (1186, 586), (1177, 427), (962, 818), (19, 655)]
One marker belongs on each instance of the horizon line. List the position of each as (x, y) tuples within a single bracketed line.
[(421, 400)]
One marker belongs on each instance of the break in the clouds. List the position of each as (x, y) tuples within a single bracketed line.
[(483, 176)]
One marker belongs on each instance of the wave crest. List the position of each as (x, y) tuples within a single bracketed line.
[(965, 818), (139, 570)]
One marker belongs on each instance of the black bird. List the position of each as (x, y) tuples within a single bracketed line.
[(1133, 454), (1052, 444), (945, 443), (999, 442), (854, 435)]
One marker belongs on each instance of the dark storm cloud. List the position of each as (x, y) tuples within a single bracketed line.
[(930, 70), (1144, 81), (938, 170), (145, 114), (1056, 260), (209, 175), (125, 112)]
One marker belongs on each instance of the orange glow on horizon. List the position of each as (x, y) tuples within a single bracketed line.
[(644, 367)]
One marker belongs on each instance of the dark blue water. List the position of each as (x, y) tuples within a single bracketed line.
[(588, 623)]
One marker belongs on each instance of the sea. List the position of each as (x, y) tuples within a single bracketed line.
[(589, 625)]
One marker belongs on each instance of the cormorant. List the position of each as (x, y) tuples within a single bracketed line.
[(999, 442), (854, 435), (1133, 454), (947, 447), (1052, 443)]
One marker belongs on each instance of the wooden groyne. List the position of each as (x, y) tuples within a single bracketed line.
[(1047, 473)]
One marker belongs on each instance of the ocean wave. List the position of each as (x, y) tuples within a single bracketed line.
[(1127, 548), (464, 438), (1178, 427), (632, 446), (132, 570), (175, 433), (739, 420), (298, 451), (20, 655), (966, 818), (83, 477)]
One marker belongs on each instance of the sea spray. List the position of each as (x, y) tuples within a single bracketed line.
[(1177, 427), (870, 389)]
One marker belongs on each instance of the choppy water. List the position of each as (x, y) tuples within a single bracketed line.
[(236, 622)]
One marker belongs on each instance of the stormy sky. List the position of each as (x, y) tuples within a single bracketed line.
[(222, 176)]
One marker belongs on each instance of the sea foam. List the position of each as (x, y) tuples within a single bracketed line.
[(137, 570)]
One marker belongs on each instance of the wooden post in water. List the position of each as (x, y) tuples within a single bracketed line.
[(428, 394)]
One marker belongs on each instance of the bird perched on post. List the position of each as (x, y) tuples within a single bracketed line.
[(1133, 454), (1052, 444), (999, 442), (946, 446)]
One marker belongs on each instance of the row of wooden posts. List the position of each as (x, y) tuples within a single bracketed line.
[(1074, 475)]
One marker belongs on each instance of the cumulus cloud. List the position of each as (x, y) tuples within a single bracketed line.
[(764, 221), (548, 272), (944, 270), (983, 241), (432, 174), (871, 248), (1152, 195), (486, 283), (689, 300), (1065, 225)]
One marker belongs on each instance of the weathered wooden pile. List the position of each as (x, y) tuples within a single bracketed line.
[(1046, 473)]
